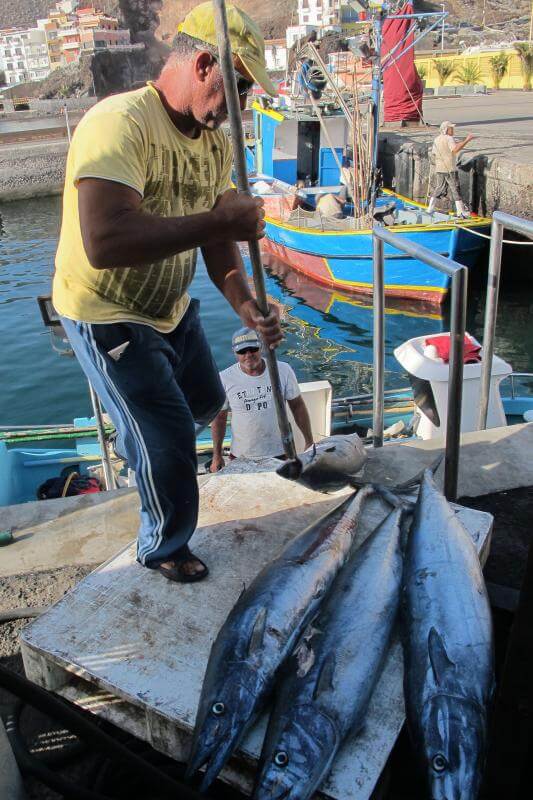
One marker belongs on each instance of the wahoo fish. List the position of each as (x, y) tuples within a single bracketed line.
[(328, 465), (333, 670), (448, 648), (261, 631)]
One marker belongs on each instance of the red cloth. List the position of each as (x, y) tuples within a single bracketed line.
[(472, 351), (402, 98)]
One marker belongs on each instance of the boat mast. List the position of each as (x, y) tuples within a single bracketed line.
[(378, 8)]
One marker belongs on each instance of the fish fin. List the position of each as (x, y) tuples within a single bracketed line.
[(325, 677), (258, 631), (440, 661)]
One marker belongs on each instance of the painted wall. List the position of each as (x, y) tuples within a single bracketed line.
[(512, 80)]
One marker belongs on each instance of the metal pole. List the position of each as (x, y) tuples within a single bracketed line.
[(379, 341), (442, 29), (531, 23), (237, 138), (491, 310), (455, 384), (109, 475), (65, 109), (376, 99)]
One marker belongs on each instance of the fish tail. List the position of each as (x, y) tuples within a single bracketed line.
[(416, 479)]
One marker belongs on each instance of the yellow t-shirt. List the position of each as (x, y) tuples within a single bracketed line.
[(129, 138)]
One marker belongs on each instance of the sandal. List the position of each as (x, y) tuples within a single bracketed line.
[(176, 573)]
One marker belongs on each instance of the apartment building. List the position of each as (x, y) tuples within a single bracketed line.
[(71, 30), (23, 55), (99, 31), (275, 54)]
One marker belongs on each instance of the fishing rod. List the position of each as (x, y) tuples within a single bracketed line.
[(237, 138)]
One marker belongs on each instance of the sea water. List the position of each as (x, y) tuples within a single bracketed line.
[(327, 335)]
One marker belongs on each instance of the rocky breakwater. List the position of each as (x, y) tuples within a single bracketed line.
[(32, 169)]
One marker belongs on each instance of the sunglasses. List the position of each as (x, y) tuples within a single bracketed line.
[(248, 350), (243, 84)]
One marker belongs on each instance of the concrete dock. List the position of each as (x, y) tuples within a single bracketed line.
[(495, 169), (56, 543)]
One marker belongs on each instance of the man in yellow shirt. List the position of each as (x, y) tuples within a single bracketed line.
[(147, 183)]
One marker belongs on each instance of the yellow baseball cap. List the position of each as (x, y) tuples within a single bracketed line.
[(246, 40)]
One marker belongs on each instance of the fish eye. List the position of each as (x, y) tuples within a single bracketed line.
[(439, 763), (281, 759), (218, 709)]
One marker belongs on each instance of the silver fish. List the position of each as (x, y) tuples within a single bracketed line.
[(328, 465), (261, 631), (333, 670), (448, 648)]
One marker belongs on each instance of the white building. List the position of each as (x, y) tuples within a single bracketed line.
[(319, 13), (296, 32), (37, 60), (23, 55), (275, 54)]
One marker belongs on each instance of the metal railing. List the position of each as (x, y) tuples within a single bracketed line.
[(500, 220), (459, 277)]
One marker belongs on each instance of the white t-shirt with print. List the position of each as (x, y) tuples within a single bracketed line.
[(254, 424)]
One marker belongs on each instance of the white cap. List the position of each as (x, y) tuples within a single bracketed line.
[(445, 125)]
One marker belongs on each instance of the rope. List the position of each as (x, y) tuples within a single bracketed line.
[(67, 483), (487, 236)]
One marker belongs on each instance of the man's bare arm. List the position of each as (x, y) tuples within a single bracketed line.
[(218, 429), (301, 417), (459, 146), (117, 233)]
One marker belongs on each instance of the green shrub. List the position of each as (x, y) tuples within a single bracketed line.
[(525, 54), (422, 72), (468, 73), (444, 70), (498, 67)]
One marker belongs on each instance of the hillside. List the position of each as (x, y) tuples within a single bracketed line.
[(504, 19), (273, 16)]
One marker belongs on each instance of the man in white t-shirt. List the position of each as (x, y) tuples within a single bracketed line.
[(444, 151), (254, 425)]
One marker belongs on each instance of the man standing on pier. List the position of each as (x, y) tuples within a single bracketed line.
[(445, 150), (147, 183)]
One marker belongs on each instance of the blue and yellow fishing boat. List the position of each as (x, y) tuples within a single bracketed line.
[(296, 162)]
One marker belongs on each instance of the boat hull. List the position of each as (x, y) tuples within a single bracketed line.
[(343, 260)]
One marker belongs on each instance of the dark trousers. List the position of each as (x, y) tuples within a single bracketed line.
[(447, 182), (155, 390)]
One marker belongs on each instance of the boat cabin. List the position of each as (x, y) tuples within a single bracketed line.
[(291, 146)]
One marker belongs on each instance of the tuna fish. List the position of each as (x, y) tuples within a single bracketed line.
[(333, 670), (328, 465), (448, 647), (261, 631)]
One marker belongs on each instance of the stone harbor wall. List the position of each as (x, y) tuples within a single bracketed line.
[(489, 182)]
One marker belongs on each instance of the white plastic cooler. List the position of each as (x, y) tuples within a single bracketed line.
[(429, 378)]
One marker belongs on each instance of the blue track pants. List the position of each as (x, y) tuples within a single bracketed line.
[(155, 388)]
